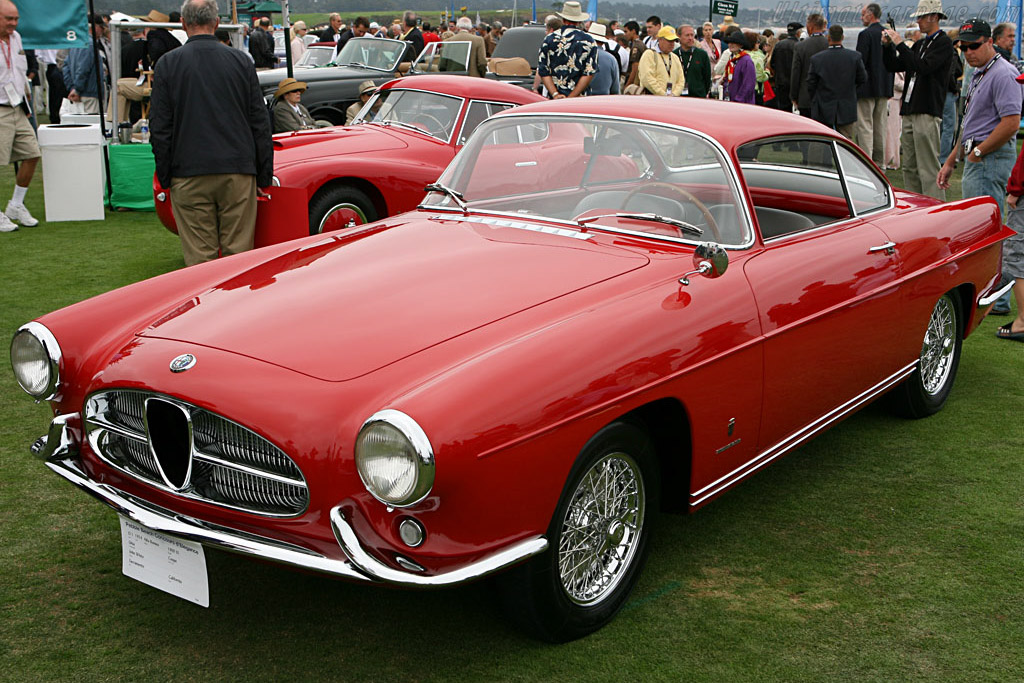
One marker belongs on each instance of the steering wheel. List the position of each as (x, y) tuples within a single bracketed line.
[(429, 123), (708, 218)]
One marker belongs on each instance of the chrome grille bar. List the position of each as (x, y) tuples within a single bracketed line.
[(233, 466)]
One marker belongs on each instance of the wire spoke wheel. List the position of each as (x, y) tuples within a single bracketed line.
[(602, 528), (938, 349)]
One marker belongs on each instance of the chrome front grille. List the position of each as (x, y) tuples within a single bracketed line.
[(231, 466)]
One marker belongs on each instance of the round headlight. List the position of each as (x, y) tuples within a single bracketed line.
[(35, 358), (395, 459)]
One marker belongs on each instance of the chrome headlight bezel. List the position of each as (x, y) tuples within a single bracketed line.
[(419, 455), (51, 355)]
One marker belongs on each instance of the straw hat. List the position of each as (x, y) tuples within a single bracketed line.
[(571, 11), (289, 85), (727, 20), (599, 31), (156, 17), (925, 7), (366, 88)]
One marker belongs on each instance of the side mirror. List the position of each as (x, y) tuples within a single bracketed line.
[(709, 260)]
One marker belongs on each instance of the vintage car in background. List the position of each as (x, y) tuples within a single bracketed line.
[(331, 178), (514, 60), (599, 312), (279, 50)]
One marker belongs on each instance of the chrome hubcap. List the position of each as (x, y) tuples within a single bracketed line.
[(939, 344), (340, 215), (601, 530)]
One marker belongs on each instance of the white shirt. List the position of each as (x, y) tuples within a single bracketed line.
[(14, 72)]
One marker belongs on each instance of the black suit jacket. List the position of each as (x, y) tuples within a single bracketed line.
[(261, 47), (782, 67), (159, 42), (832, 81), (131, 54), (415, 40), (869, 45), (802, 54), (190, 85), (927, 62)]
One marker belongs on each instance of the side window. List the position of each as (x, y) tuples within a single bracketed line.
[(478, 112), (867, 191), (795, 184)]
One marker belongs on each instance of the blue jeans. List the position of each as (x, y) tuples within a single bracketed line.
[(988, 177), (948, 128)]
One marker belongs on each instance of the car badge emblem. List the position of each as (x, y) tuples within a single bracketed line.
[(184, 362)]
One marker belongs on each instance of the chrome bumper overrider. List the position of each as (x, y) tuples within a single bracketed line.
[(991, 298), (60, 449)]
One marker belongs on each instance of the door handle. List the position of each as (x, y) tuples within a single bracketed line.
[(889, 248)]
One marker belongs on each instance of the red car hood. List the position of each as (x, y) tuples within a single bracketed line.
[(361, 139), (337, 308)]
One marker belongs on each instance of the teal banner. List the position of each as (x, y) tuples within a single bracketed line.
[(53, 24)]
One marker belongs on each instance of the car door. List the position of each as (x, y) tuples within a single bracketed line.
[(825, 284)]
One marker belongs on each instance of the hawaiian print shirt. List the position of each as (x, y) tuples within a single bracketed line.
[(567, 55)]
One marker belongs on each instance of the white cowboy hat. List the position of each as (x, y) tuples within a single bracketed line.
[(571, 11), (925, 7)]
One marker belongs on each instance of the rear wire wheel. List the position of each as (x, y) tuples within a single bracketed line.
[(925, 391), (599, 539)]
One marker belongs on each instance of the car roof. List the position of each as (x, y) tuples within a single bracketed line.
[(469, 87), (730, 123)]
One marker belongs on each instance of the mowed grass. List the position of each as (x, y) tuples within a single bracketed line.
[(884, 550)]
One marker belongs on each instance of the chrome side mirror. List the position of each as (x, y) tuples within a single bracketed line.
[(709, 259)]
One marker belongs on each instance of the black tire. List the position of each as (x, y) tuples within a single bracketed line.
[(925, 391), (559, 606), (337, 204)]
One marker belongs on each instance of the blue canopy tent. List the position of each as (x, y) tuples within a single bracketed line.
[(1010, 10)]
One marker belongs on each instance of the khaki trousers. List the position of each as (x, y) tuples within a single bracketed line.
[(215, 214), (871, 120), (128, 91), (919, 147)]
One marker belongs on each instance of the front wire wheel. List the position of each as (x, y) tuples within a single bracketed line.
[(599, 537), (925, 391)]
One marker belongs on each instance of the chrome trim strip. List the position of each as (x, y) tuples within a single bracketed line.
[(98, 421), (991, 298), (374, 569), (245, 469), (520, 225), (360, 566), (798, 438)]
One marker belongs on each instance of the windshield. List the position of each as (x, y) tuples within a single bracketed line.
[(591, 169), (427, 112), (443, 56), (315, 56), (376, 53)]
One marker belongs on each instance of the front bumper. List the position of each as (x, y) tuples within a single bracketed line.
[(60, 450)]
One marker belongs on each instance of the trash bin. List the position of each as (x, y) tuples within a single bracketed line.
[(72, 171)]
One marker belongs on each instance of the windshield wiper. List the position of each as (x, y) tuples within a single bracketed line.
[(454, 194), (368, 66), (403, 124), (682, 225)]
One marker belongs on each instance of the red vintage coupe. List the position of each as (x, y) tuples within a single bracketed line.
[(330, 178), (600, 311)]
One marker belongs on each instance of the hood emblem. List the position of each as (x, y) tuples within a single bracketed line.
[(185, 361)]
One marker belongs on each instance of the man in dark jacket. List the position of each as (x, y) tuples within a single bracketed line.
[(412, 35), (261, 46), (832, 81), (926, 70), (159, 41), (211, 138), (360, 25), (696, 63), (782, 66), (873, 96), (815, 43)]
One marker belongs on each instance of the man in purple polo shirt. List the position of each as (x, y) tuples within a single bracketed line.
[(987, 142)]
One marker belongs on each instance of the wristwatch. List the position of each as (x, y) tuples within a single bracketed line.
[(976, 152)]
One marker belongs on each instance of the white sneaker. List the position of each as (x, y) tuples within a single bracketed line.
[(18, 212), (6, 225)]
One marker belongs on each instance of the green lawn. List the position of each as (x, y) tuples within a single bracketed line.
[(884, 550)]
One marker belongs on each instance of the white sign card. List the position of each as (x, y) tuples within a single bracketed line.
[(175, 566)]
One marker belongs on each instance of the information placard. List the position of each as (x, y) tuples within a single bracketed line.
[(725, 7), (170, 564)]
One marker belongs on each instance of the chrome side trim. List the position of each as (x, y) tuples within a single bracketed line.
[(374, 569), (991, 298), (801, 436)]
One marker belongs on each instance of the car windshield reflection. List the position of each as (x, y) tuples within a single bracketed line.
[(443, 57), (609, 174), (374, 53), (425, 112)]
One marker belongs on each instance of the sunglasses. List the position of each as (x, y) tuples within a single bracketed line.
[(973, 46)]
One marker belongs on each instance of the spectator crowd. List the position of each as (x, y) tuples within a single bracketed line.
[(924, 101)]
